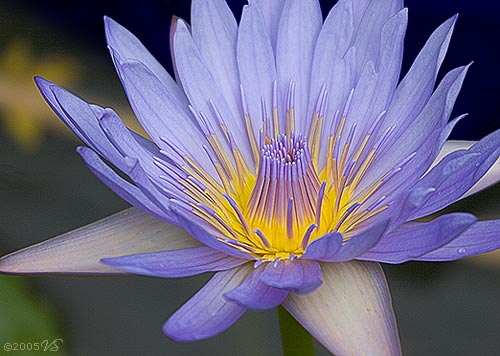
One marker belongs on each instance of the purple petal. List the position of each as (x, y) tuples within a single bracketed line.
[(456, 173), (416, 87), (205, 94), (445, 133), (173, 28), (128, 143), (379, 77), (161, 115), (298, 276), (491, 177), (367, 38), (481, 237), (351, 313), (80, 251), (208, 313), (452, 146), (409, 100), (358, 243), (390, 58), (324, 248), (423, 138), (145, 183), (174, 264), (330, 64), (256, 295), (99, 128), (405, 204), (272, 13), (206, 237), (256, 64), (80, 117), (299, 27), (125, 190), (214, 30), (359, 8), (415, 239), (374, 70), (127, 46)]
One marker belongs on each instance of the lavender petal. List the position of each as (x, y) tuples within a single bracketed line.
[(204, 92), (299, 27), (298, 276), (153, 104), (80, 118), (127, 46), (323, 248), (255, 295), (214, 30), (272, 14), (208, 313), (456, 173), (358, 243), (416, 239), (256, 64), (481, 237), (127, 191), (175, 263), (414, 91)]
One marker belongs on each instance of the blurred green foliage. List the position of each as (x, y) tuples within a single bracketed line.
[(26, 320)]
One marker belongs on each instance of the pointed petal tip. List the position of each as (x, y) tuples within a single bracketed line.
[(39, 80), (182, 25), (8, 265), (82, 149), (110, 25), (208, 313), (80, 251), (28, 261), (42, 84), (172, 331)]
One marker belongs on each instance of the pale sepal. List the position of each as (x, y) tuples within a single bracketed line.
[(351, 312), (79, 251)]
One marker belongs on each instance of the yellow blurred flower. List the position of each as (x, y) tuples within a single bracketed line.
[(24, 117)]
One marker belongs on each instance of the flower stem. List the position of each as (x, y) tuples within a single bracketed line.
[(296, 341)]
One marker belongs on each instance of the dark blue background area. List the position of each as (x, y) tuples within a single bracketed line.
[(475, 39)]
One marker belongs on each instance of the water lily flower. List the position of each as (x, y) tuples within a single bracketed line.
[(287, 157)]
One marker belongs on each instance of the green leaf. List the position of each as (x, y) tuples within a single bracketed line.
[(26, 320)]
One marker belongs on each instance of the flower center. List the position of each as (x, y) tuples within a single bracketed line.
[(285, 204), (291, 200)]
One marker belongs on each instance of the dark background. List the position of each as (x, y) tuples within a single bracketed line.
[(442, 309)]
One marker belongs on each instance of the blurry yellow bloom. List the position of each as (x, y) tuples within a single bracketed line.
[(26, 123)]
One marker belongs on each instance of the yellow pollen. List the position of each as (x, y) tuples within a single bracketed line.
[(289, 201)]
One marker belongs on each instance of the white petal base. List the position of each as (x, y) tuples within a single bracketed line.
[(351, 313)]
